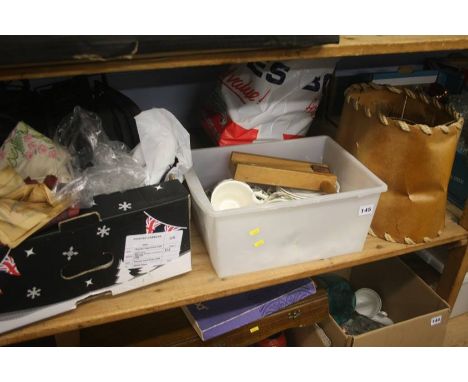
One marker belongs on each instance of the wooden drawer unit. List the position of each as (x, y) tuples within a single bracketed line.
[(171, 328)]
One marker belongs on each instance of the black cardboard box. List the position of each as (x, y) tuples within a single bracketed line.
[(127, 240)]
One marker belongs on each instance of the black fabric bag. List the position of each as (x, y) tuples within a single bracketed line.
[(45, 107), (117, 111), (18, 102)]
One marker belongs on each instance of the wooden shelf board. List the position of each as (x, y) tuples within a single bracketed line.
[(202, 284), (348, 46)]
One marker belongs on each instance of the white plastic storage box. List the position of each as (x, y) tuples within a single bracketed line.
[(272, 235)]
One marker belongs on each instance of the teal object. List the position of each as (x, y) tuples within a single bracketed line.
[(458, 185), (341, 298)]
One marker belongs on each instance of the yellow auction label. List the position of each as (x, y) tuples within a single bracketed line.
[(254, 231), (259, 243)]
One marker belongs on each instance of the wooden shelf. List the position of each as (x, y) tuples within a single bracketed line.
[(203, 284), (348, 46)]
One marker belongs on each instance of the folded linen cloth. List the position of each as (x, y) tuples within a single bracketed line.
[(24, 208), (34, 155)]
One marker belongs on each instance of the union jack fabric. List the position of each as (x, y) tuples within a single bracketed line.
[(8, 266), (170, 228), (152, 224)]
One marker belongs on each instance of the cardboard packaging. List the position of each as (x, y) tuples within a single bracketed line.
[(408, 140), (308, 336), (420, 316), (127, 240), (214, 318)]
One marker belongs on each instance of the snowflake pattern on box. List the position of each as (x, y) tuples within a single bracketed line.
[(125, 206), (70, 253), (33, 293), (103, 231), (201, 306)]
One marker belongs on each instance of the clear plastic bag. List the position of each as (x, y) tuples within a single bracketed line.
[(100, 166)]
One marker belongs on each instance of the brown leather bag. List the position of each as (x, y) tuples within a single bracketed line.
[(408, 140)]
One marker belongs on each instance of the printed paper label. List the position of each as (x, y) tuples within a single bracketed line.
[(366, 210), (436, 320), (152, 249)]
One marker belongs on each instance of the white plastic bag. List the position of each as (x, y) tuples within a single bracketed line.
[(266, 101), (162, 140)]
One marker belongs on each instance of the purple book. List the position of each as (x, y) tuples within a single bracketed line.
[(213, 318)]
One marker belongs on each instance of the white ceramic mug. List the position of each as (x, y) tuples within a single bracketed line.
[(368, 302), (231, 194)]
